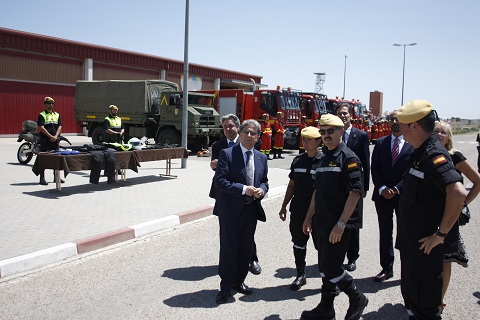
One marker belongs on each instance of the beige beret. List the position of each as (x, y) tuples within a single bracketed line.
[(331, 120), (413, 111), (311, 133), (48, 100), (113, 107)]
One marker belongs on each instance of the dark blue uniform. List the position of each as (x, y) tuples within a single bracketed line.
[(302, 172), (421, 208), (340, 172)]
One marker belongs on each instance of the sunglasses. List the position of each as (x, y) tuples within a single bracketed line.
[(329, 130), (393, 119)]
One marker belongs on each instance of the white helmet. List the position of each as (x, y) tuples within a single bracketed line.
[(136, 144)]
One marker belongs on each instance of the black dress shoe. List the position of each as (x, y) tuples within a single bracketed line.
[(43, 182), (299, 282), (255, 268), (243, 288), (222, 296), (351, 265), (383, 275)]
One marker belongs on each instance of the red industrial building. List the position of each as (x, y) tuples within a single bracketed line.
[(33, 66)]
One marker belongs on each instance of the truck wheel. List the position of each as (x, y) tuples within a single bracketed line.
[(98, 135), (168, 136)]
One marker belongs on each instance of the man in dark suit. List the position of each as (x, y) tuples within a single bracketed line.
[(357, 141), (390, 160), (241, 179), (230, 125)]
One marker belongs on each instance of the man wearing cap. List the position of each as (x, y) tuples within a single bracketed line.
[(113, 126), (50, 126), (357, 141), (337, 205), (430, 202), (266, 136), (279, 139), (299, 192)]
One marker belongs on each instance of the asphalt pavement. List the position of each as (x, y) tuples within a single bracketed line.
[(167, 269)]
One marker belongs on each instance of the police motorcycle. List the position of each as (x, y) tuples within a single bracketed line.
[(31, 146)]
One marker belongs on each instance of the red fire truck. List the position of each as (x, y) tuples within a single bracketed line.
[(313, 105), (359, 109), (252, 105)]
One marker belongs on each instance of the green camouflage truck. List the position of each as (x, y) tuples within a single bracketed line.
[(148, 108)]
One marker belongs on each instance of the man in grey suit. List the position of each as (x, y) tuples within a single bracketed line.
[(241, 180)]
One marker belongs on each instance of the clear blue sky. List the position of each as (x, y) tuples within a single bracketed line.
[(287, 41)]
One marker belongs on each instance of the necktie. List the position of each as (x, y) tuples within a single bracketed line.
[(230, 144), (344, 136), (249, 168), (395, 151)]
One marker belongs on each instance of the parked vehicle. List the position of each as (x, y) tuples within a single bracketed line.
[(252, 105), (148, 108), (313, 106), (31, 146)]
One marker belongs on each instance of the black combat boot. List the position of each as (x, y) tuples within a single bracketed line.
[(324, 310), (358, 301), (280, 154), (300, 263)]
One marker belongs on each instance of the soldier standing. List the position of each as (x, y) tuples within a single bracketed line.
[(337, 203), (299, 191)]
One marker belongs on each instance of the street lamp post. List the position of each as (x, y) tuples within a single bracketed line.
[(403, 74), (344, 75)]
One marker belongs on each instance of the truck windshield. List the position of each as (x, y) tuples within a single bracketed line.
[(200, 100), (319, 106), (291, 100)]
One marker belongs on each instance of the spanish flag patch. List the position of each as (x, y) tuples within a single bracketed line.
[(439, 160), (352, 165)]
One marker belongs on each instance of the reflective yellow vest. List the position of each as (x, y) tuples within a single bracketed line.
[(115, 123), (50, 118)]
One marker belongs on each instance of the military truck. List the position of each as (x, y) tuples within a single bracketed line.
[(148, 108)]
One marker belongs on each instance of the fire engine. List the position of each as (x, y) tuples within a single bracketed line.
[(313, 105), (359, 109), (252, 105)]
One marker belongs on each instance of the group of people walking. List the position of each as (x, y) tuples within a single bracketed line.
[(416, 174)]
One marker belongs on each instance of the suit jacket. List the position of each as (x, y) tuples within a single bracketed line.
[(359, 144), (230, 177), (383, 173), (217, 146)]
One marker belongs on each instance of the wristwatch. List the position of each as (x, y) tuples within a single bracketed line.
[(441, 234), (341, 224)]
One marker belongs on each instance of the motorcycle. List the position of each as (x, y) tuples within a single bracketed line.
[(31, 146)]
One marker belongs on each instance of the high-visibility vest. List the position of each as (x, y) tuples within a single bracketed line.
[(115, 123), (50, 118)]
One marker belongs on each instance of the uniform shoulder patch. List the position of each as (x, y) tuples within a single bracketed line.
[(352, 165), (438, 160)]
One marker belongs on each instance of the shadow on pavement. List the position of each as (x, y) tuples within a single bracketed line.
[(89, 187), (195, 273)]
